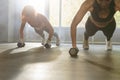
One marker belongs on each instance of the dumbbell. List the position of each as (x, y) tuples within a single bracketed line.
[(47, 45), (19, 44), (73, 52)]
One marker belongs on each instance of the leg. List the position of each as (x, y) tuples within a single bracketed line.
[(57, 39), (108, 32), (43, 38), (41, 33), (90, 31)]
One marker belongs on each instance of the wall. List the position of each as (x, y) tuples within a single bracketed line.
[(3, 20)]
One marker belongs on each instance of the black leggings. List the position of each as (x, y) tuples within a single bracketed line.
[(91, 29)]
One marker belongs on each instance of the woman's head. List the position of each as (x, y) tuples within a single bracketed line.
[(104, 3)]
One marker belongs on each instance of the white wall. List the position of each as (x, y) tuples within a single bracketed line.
[(3, 20)]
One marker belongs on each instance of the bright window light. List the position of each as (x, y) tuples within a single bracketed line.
[(37, 4)]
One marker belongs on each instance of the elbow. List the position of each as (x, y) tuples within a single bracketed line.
[(73, 27)]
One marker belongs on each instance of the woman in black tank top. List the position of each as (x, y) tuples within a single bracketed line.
[(95, 22), (101, 18)]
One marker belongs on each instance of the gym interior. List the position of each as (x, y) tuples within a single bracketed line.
[(35, 62)]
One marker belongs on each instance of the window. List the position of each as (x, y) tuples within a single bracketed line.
[(69, 9), (117, 18), (63, 11), (54, 12)]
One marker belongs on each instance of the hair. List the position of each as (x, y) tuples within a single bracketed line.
[(96, 5), (28, 10), (97, 9)]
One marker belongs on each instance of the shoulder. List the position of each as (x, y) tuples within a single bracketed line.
[(117, 4), (41, 16), (89, 2), (87, 5)]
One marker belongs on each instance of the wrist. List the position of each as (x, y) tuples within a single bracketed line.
[(74, 46), (21, 41)]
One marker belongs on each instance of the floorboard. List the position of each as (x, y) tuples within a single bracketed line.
[(34, 62)]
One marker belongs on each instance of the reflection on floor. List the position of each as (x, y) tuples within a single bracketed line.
[(34, 62)]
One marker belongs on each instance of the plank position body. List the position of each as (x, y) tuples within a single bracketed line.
[(39, 23), (101, 18)]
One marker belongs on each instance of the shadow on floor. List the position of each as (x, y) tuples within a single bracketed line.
[(38, 54), (105, 62), (11, 64)]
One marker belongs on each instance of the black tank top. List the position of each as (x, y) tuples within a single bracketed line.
[(96, 10)]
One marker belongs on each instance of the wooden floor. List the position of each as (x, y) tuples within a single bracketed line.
[(34, 62)]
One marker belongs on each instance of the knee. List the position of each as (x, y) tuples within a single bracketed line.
[(55, 34), (108, 38), (89, 34)]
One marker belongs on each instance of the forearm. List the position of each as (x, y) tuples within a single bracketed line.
[(77, 19), (21, 33), (21, 36), (51, 32), (73, 35)]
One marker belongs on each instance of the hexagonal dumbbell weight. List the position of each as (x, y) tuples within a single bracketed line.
[(73, 52), (20, 44), (47, 45)]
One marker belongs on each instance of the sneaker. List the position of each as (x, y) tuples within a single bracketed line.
[(108, 45), (85, 45)]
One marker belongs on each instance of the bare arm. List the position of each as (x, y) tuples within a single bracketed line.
[(51, 32), (77, 19), (47, 27), (21, 30)]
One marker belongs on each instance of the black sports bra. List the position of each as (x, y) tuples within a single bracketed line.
[(96, 10)]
